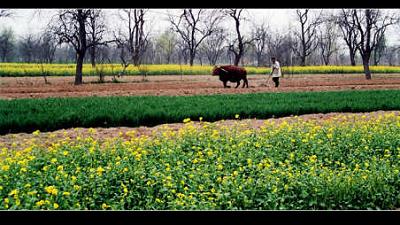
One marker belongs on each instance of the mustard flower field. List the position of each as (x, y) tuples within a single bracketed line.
[(35, 69), (343, 162)]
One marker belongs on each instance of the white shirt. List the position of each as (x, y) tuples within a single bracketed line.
[(277, 71)]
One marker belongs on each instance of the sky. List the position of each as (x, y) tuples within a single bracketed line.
[(27, 21), (34, 21)]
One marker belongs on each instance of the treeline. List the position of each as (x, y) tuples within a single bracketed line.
[(165, 49)]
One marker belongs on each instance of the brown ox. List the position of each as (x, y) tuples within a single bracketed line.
[(232, 74)]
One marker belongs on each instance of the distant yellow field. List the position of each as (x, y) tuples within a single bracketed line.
[(33, 69)]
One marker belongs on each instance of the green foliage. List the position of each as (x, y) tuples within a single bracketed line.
[(27, 115), (347, 162)]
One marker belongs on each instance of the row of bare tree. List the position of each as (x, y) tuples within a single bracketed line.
[(198, 34)]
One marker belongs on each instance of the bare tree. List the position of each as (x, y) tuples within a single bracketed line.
[(213, 46), (65, 53), (96, 31), (261, 36), (347, 25), (183, 52), (327, 41), (238, 45), (371, 25), (123, 54), (307, 35), (135, 37), (7, 42), (166, 44), (379, 50), (274, 44), (390, 54), (47, 47), (194, 26), (103, 57), (69, 26), (280, 45), (45, 52), (149, 56), (28, 48)]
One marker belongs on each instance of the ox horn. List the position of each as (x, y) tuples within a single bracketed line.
[(222, 69)]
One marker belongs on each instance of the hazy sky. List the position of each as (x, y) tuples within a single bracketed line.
[(27, 21)]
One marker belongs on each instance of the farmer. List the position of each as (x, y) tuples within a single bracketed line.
[(275, 71)]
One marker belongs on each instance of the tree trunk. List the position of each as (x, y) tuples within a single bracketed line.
[(236, 61), (259, 60), (80, 53), (79, 65), (135, 58), (303, 61), (366, 69), (191, 60), (93, 56), (352, 58)]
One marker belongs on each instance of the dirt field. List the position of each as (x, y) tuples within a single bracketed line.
[(34, 87)]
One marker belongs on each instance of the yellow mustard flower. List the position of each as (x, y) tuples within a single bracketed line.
[(51, 190)]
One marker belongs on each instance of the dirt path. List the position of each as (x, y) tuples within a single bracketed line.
[(34, 87)]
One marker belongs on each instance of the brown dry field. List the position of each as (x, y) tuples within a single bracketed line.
[(34, 87)]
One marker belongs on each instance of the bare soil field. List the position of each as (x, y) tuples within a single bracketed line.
[(34, 87)]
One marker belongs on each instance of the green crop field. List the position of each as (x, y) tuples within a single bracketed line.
[(27, 115)]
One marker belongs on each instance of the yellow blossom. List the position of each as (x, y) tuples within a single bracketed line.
[(5, 167), (100, 170), (73, 178), (13, 192), (313, 158), (32, 193), (77, 187), (105, 206), (220, 167), (40, 203), (51, 190)]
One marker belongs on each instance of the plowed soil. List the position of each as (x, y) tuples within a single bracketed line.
[(35, 87)]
